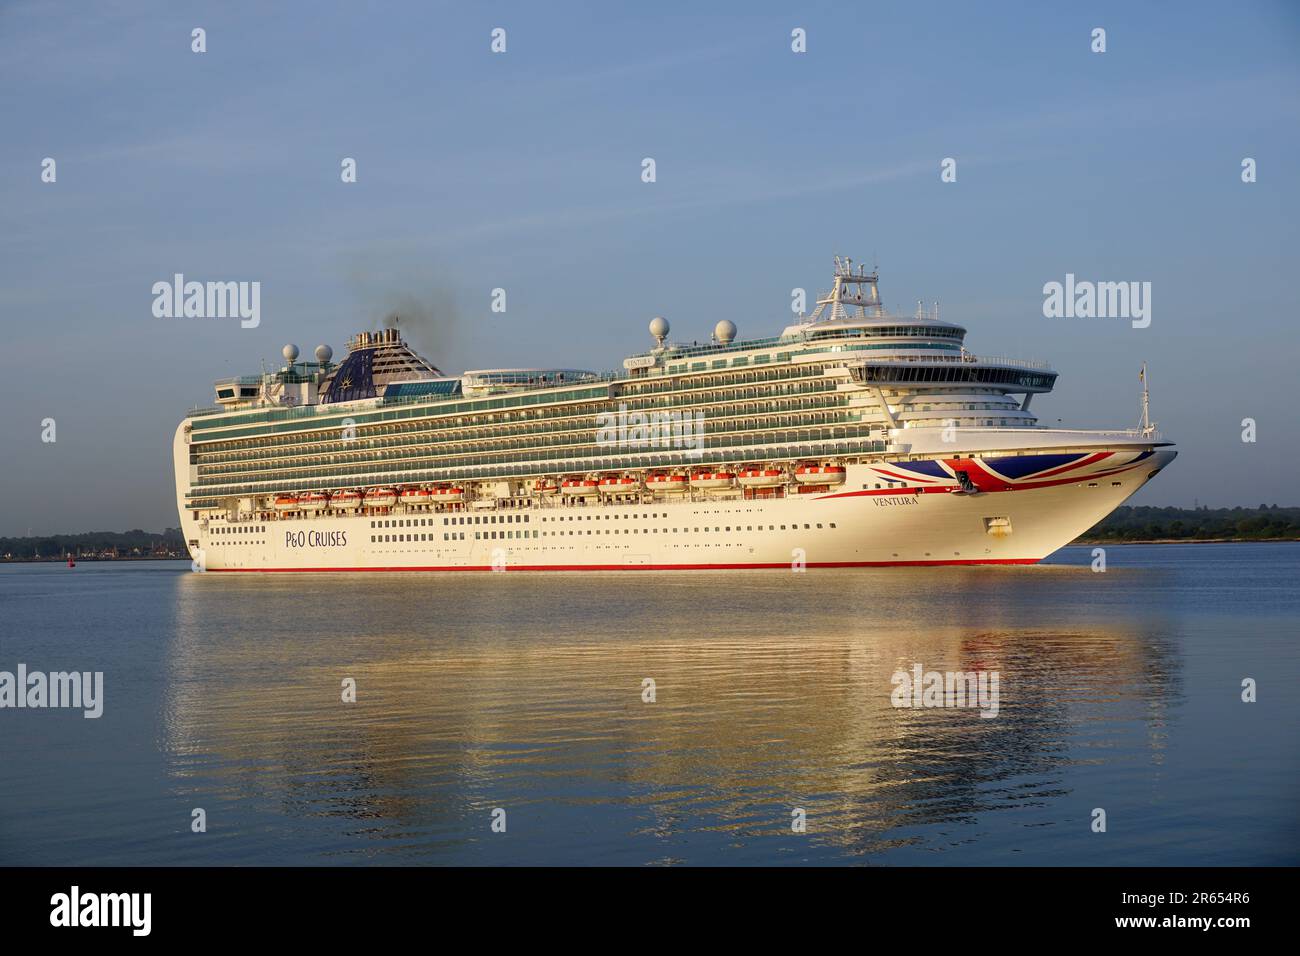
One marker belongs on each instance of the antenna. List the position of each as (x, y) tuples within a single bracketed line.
[(1147, 426), (848, 298)]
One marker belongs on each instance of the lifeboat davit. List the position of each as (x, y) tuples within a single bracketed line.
[(417, 496), (819, 474), (314, 501), (579, 486), (617, 485), (761, 477), (666, 484), (346, 500), (286, 503), (448, 493), (380, 498), (712, 479)]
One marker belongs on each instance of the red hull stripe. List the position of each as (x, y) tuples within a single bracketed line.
[(658, 567)]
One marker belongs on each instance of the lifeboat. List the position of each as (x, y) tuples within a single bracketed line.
[(417, 496), (712, 479), (448, 493), (380, 498), (314, 501), (617, 485), (761, 477), (545, 487), (579, 486), (346, 500), (286, 503), (819, 474), (666, 484)]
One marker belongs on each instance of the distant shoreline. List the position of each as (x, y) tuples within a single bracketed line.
[(92, 560), (1082, 541)]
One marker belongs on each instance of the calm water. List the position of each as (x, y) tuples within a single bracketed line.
[(523, 691)]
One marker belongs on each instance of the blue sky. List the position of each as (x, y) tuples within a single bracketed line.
[(522, 171)]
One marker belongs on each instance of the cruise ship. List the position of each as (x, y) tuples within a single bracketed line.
[(855, 437)]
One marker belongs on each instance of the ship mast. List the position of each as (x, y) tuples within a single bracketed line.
[(1147, 427), (848, 298)]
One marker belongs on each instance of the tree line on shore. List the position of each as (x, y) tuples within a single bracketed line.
[(121, 544), (1267, 522)]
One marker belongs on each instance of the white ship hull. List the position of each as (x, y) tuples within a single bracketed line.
[(862, 522)]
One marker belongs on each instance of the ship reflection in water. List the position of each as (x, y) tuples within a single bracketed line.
[(772, 692)]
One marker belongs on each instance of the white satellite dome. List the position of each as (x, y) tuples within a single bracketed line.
[(724, 331), (659, 328), (324, 353), (290, 353)]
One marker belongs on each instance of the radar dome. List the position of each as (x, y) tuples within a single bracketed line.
[(659, 328), (324, 353), (290, 353), (724, 331)]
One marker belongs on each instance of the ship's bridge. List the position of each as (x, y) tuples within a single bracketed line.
[(881, 326), (489, 381)]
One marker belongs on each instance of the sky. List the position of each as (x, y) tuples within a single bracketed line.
[(522, 170)]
